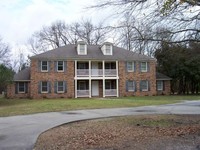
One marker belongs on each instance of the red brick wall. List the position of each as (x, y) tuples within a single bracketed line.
[(11, 92), (52, 76), (137, 76), (167, 89)]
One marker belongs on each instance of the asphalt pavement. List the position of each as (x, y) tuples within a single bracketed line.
[(21, 132)]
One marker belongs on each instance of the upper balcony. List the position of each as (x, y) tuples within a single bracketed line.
[(96, 69)]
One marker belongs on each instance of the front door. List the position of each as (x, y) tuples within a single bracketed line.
[(95, 88)]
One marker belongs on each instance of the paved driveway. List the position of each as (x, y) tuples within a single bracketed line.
[(21, 132)]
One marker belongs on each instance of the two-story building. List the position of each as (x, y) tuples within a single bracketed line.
[(81, 70)]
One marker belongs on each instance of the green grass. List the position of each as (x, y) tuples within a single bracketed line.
[(10, 107)]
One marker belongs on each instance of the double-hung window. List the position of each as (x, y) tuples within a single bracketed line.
[(21, 87), (60, 87), (60, 66), (108, 49), (44, 87), (130, 66), (144, 85), (44, 66), (131, 86), (143, 66), (82, 49), (159, 85)]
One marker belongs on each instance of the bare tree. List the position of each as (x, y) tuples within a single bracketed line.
[(181, 18), (4, 52), (59, 34), (90, 33)]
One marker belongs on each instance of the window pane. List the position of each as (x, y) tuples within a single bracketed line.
[(159, 85), (144, 85), (21, 87), (131, 86), (108, 49), (60, 86), (44, 87), (60, 65), (130, 66), (44, 65), (144, 66), (82, 48)]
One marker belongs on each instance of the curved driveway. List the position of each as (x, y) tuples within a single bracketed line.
[(21, 132)]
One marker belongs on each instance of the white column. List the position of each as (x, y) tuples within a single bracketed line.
[(90, 68), (117, 68), (103, 68), (90, 91), (117, 86), (75, 68), (103, 87), (75, 88)]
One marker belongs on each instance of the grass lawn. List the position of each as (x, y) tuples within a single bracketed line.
[(11, 107)]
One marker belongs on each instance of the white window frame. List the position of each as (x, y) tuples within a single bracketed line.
[(46, 86), (133, 84), (62, 66), (82, 49), (161, 85), (63, 86), (45, 65), (108, 50), (19, 88), (147, 85), (143, 69), (130, 64)]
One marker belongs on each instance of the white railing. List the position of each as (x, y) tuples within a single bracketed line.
[(110, 92), (110, 72), (82, 93), (96, 72), (82, 72)]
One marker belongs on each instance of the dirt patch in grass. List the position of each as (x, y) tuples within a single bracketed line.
[(155, 132)]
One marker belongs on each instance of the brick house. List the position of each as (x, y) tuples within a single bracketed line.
[(83, 70)]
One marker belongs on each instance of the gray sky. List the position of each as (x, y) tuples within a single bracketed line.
[(20, 18)]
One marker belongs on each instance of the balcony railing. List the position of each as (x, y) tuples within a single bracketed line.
[(82, 72), (110, 72), (111, 92), (96, 72), (82, 93)]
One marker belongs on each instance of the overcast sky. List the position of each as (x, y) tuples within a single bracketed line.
[(20, 18)]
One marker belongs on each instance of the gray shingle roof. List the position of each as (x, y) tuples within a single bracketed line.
[(23, 75), (160, 76), (93, 52)]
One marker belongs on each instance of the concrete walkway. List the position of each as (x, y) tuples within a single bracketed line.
[(21, 132)]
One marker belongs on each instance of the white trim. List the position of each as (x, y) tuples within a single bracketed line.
[(147, 89), (141, 66), (133, 84), (117, 88), (41, 66), (63, 65), (47, 87), (24, 88), (62, 86), (133, 66), (161, 88)]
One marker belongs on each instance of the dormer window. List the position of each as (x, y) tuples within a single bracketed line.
[(107, 48), (82, 48)]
